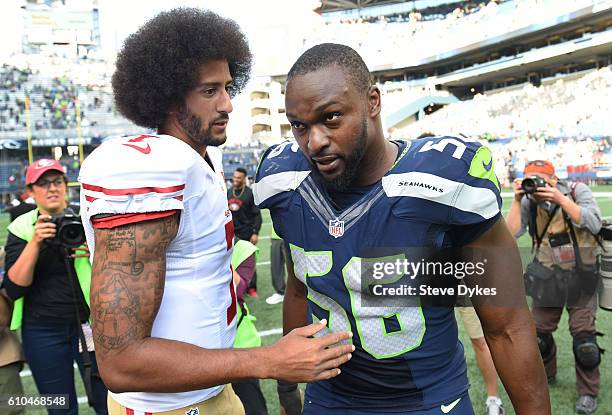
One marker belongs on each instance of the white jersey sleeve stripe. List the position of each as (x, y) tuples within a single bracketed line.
[(277, 183), (478, 200)]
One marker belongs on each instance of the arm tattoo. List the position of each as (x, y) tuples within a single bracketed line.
[(128, 276)]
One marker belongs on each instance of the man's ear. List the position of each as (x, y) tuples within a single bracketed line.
[(373, 101)]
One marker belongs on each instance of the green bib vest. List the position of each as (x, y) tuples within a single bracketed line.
[(246, 333), (23, 227)]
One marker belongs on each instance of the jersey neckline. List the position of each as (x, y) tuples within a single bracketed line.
[(368, 198)]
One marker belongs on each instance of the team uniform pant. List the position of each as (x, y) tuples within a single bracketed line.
[(226, 403), (249, 392), (581, 320), (462, 407), (278, 253)]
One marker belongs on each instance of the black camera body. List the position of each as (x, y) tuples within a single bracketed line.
[(69, 229), (532, 183)]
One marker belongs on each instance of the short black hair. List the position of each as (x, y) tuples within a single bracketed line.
[(329, 54), (158, 64), (241, 170)]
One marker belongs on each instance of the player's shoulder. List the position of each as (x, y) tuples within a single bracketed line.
[(281, 158), (452, 177), (282, 169), (457, 158), (445, 151), (137, 161)]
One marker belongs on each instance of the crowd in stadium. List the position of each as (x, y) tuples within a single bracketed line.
[(400, 42), (567, 106)]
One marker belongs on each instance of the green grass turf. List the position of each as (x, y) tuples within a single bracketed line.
[(563, 394)]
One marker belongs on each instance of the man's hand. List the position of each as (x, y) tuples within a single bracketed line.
[(43, 229), (299, 358), (550, 194), (254, 239), (518, 190), (290, 398)]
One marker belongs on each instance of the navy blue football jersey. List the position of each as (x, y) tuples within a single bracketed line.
[(441, 191)]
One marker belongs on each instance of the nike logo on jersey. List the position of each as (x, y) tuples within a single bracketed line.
[(143, 150), (140, 139), (487, 167), (447, 408)]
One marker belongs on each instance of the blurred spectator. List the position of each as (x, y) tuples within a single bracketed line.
[(278, 255), (246, 216), (11, 356), (244, 261), (20, 205), (51, 303)]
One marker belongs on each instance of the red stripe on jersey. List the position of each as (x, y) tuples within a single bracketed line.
[(231, 310), (133, 191), (90, 198), (111, 222), (129, 411), (179, 197), (229, 234)]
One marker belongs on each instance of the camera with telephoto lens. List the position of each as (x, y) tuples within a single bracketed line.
[(531, 184), (69, 229)]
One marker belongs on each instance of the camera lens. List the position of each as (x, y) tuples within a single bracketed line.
[(529, 185), (72, 234)]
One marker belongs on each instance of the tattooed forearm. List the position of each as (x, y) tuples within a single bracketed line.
[(128, 281)]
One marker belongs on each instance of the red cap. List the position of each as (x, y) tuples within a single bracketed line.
[(540, 166), (40, 167)]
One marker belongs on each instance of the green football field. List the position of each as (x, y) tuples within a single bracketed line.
[(269, 323)]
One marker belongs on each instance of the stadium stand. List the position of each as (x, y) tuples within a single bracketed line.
[(429, 64)]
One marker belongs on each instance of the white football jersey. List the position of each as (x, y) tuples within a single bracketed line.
[(160, 173)]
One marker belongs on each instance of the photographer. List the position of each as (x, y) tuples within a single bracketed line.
[(562, 219), (49, 296)]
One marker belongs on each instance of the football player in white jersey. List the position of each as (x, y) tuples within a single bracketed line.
[(157, 222)]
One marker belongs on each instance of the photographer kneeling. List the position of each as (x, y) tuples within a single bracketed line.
[(562, 219), (48, 275)]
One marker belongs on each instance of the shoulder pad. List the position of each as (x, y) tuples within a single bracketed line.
[(456, 173), (457, 158), (136, 174), (282, 169)]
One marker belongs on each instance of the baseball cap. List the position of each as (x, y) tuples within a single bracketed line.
[(540, 166), (40, 167)]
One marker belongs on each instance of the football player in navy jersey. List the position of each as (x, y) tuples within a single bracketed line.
[(341, 189)]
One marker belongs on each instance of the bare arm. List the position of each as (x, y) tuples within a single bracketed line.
[(507, 322), (127, 287), (513, 219)]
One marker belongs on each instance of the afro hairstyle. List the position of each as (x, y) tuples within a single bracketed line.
[(329, 54), (158, 65)]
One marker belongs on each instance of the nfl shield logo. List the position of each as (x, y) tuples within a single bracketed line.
[(336, 228)]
